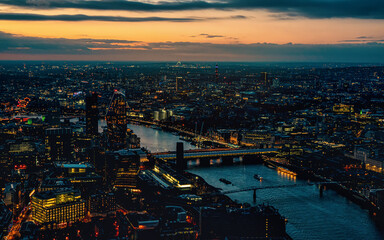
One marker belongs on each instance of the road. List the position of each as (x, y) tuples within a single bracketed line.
[(24, 215)]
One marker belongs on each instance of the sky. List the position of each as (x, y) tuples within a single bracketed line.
[(193, 30)]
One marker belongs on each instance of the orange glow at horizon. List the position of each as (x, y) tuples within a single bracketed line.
[(258, 27)]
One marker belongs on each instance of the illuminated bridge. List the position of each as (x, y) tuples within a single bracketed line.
[(204, 156), (255, 188), (216, 153)]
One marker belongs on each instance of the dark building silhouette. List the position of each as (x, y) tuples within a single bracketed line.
[(267, 82), (125, 169), (117, 121), (92, 114), (181, 163), (53, 117), (217, 73), (58, 144)]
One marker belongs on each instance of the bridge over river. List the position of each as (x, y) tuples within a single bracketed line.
[(205, 155)]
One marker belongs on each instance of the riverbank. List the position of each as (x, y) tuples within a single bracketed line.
[(204, 141), (308, 214), (351, 195), (218, 198)]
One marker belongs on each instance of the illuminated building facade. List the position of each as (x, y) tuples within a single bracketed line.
[(58, 144), (166, 178), (92, 114), (127, 167), (117, 121), (60, 206)]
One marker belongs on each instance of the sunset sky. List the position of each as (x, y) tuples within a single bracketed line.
[(212, 30)]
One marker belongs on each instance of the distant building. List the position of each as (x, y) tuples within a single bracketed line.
[(53, 117), (117, 121), (133, 141), (342, 108), (217, 73), (60, 206), (179, 84), (265, 80), (81, 175), (102, 203), (92, 114), (52, 184), (58, 144)]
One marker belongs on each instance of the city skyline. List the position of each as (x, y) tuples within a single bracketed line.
[(233, 30)]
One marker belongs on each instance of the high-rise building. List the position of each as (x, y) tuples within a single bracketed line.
[(92, 114), (179, 84), (53, 117), (181, 163), (217, 73), (117, 121), (58, 144), (126, 169), (266, 82), (60, 206)]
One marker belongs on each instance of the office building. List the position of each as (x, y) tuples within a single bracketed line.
[(58, 144), (126, 169), (117, 121), (92, 114), (60, 206), (102, 203)]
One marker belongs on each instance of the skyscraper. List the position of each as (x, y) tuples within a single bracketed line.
[(126, 168), (178, 86), (58, 144), (217, 73), (92, 114), (117, 121), (265, 80)]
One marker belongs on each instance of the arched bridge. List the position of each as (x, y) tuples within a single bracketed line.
[(255, 188)]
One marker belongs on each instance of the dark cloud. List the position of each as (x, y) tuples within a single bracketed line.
[(81, 17), (364, 37), (211, 36), (109, 49), (368, 9), (11, 43)]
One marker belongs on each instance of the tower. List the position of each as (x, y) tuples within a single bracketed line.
[(181, 163), (178, 86), (92, 114), (265, 81), (217, 73), (117, 121)]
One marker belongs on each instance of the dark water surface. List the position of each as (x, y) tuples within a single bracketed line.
[(309, 215)]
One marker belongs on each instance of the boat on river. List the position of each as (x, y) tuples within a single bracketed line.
[(223, 180), (257, 177)]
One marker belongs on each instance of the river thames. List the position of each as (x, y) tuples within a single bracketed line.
[(309, 215)]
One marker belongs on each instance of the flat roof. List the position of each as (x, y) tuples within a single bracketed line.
[(74, 165)]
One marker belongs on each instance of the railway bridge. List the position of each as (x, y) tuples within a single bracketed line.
[(226, 155)]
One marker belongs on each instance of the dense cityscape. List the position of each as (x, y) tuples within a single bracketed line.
[(73, 167)]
